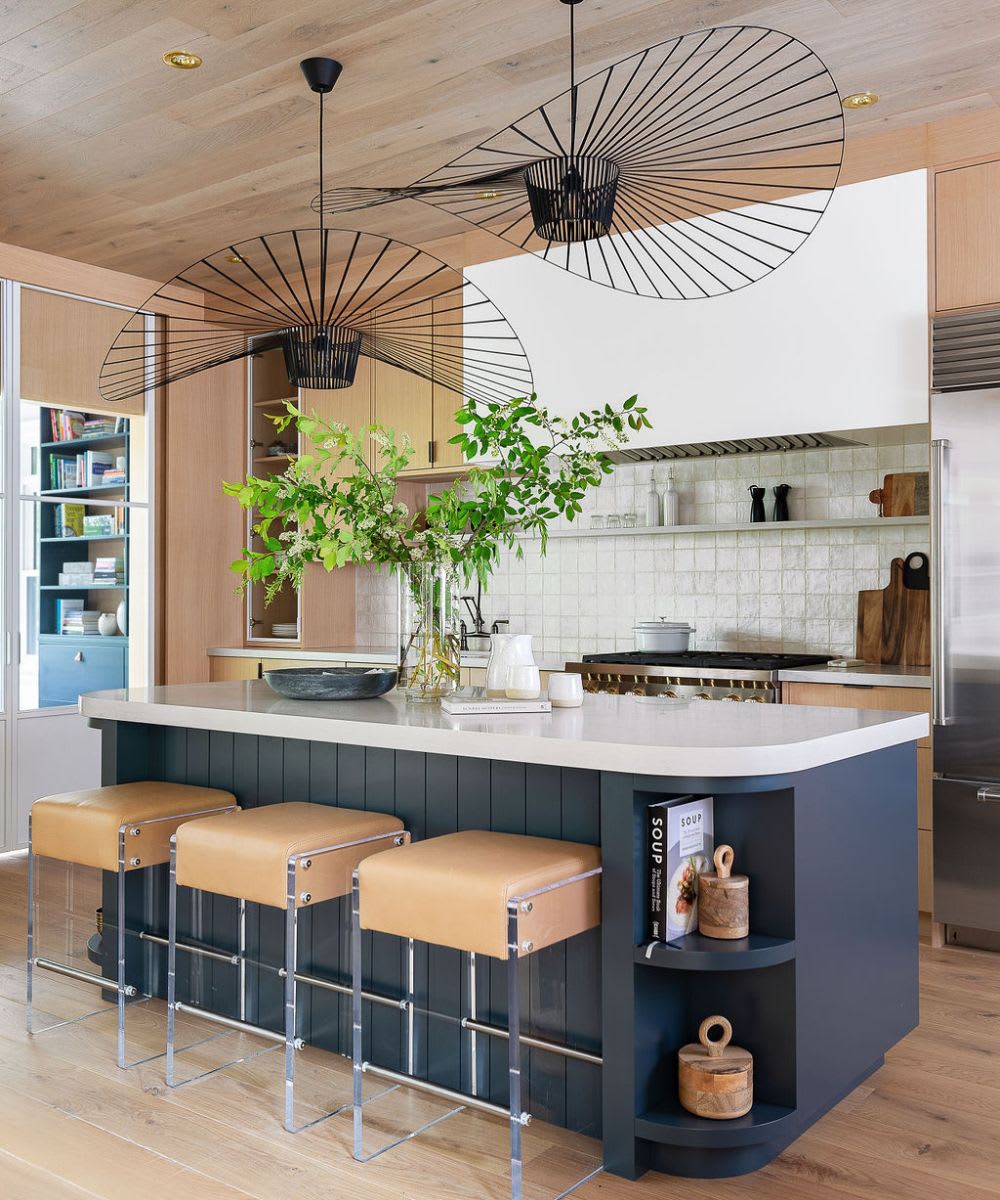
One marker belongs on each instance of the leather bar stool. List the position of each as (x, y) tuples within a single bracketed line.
[(495, 894), (123, 828), (288, 856)]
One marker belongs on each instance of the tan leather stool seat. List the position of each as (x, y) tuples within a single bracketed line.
[(82, 827), (245, 854), (453, 890)]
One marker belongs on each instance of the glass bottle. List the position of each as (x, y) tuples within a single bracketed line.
[(671, 501), (654, 510)]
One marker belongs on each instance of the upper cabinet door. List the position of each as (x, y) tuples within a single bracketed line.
[(63, 344), (404, 404), (966, 245)]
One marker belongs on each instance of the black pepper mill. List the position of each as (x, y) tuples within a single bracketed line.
[(757, 513), (781, 501)]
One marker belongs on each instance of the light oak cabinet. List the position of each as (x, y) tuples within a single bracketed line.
[(407, 403), (966, 246), (890, 699), (224, 669)]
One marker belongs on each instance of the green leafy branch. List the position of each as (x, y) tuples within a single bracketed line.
[(336, 503)]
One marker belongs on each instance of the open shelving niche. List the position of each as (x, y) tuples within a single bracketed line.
[(268, 389), (69, 664), (749, 980)]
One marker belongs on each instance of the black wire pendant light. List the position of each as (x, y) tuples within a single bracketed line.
[(325, 297), (690, 169)]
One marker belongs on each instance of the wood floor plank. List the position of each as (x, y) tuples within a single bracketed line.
[(23, 1181), (74, 1127)]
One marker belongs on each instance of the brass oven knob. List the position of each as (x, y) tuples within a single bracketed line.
[(756, 700), (670, 693), (702, 696), (733, 696)]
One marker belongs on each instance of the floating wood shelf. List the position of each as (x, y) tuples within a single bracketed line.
[(738, 527), (698, 953)]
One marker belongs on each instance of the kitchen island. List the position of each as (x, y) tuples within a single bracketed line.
[(820, 804)]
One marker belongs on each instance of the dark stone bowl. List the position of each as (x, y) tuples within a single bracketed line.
[(331, 683)]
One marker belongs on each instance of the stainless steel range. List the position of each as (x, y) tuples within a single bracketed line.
[(694, 674)]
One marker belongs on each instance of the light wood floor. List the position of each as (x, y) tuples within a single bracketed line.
[(72, 1125)]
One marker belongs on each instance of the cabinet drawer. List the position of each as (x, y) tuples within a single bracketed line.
[(67, 671), (224, 669), (840, 695)]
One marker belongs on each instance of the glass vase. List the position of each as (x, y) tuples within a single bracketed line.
[(430, 646)]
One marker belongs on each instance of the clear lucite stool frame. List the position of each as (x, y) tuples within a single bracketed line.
[(291, 975), (515, 1113), (126, 993)]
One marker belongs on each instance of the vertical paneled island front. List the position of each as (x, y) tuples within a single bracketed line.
[(820, 803)]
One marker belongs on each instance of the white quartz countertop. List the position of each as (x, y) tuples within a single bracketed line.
[(646, 736), (861, 675), (377, 655)]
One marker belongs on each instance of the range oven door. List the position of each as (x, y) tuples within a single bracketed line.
[(967, 853)]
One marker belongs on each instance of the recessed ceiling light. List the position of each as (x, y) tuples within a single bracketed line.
[(490, 194), (182, 59), (235, 258), (860, 100)]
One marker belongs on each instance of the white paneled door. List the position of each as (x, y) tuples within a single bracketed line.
[(47, 746)]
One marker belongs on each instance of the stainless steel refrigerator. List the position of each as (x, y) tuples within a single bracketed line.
[(965, 605)]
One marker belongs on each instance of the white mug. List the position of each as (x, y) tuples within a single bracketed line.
[(523, 682), (566, 689)]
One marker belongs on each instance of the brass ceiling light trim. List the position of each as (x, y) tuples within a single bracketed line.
[(184, 60), (860, 100), (235, 258)]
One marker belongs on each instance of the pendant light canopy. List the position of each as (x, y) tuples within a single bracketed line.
[(690, 169), (325, 297)]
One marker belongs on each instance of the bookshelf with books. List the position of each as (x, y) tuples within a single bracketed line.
[(82, 558)]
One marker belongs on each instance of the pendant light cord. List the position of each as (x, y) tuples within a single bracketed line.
[(322, 230), (572, 82)]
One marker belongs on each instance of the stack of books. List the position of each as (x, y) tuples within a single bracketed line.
[(109, 571), (103, 524), (72, 619), (69, 521), (76, 574), (99, 426)]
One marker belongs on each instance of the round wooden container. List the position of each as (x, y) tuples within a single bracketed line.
[(715, 1078), (723, 899)]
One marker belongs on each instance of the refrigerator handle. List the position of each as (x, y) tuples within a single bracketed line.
[(938, 557)]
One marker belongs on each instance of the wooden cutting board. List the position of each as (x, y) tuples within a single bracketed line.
[(903, 494), (894, 624)]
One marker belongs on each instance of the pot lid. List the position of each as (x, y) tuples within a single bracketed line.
[(661, 623)]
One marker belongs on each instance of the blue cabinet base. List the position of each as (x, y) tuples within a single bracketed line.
[(826, 984)]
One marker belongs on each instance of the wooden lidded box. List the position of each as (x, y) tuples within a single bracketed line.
[(715, 1078), (723, 899)]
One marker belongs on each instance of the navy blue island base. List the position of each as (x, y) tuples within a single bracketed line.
[(824, 985)]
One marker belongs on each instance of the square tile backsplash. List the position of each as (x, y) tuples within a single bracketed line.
[(767, 588)]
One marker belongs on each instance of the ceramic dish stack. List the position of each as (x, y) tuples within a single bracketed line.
[(285, 630)]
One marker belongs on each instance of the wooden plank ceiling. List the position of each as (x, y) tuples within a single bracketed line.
[(109, 157)]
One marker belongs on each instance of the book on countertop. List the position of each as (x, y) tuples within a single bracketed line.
[(680, 841), (473, 702)]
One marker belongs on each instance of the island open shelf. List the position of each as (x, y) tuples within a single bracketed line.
[(695, 952), (812, 799)]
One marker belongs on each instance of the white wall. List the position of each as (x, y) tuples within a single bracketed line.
[(836, 338)]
